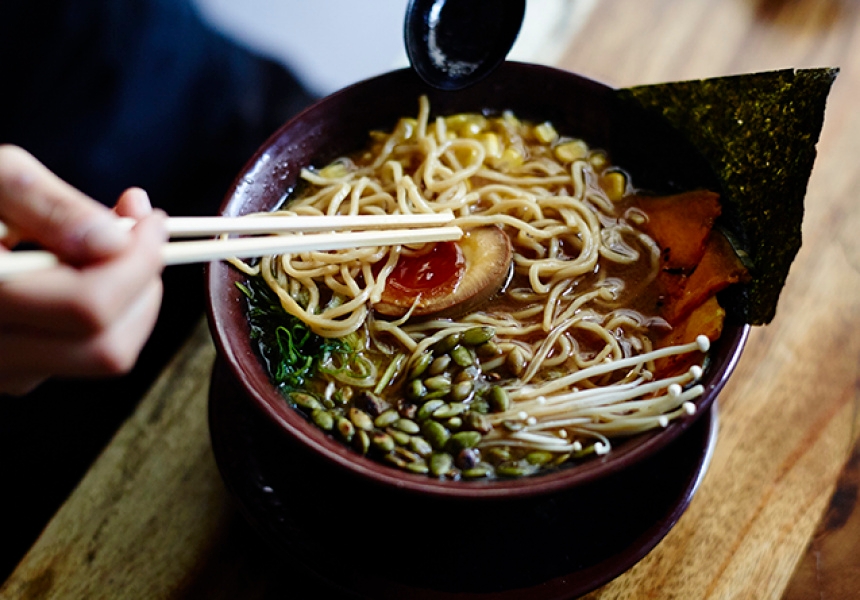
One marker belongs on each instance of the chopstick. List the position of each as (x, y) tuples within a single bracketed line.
[(185, 227), (254, 224), (176, 253), (16, 263)]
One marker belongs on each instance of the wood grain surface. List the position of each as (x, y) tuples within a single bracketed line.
[(777, 514), (790, 413)]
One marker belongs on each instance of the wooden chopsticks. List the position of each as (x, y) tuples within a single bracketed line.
[(294, 234), (183, 227)]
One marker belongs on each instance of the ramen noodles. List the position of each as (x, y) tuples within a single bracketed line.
[(575, 311)]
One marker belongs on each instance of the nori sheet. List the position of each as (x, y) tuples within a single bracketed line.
[(758, 131)]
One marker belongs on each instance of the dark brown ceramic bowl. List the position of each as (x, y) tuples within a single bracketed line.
[(657, 157)]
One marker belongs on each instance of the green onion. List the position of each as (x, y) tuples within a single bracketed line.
[(291, 351)]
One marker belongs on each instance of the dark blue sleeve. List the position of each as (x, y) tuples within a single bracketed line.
[(115, 93), (111, 94)]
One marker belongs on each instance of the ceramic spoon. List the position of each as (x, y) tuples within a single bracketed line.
[(452, 44)]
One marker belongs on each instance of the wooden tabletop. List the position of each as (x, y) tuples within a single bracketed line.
[(777, 515)]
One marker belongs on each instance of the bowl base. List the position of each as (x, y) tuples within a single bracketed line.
[(373, 542)]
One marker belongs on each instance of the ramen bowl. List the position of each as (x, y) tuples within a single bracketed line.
[(345, 509)]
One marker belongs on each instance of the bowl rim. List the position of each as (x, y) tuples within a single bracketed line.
[(230, 332)]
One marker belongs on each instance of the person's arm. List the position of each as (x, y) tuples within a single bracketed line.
[(91, 315)]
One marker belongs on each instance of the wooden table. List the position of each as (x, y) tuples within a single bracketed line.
[(777, 515)]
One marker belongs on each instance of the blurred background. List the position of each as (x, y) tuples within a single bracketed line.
[(332, 43)]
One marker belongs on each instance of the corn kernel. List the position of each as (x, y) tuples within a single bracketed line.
[(333, 171), (614, 184), (471, 129), (492, 145), (598, 160), (509, 118), (456, 121), (467, 125), (545, 133), (511, 158), (465, 155), (571, 151)]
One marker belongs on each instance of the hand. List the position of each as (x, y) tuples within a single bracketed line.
[(91, 315)]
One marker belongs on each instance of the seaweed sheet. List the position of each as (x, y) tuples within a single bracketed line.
[(759, 133)]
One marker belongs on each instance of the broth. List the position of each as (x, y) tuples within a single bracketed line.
[(573, 350)]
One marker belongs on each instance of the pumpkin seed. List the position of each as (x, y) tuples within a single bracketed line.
[(420, 446), (415, 390), (478, 335), (420, 365), (477, 472), (561, 459), (407, 454), (436, 395), (435, 433), (345, 428), (395, 460), (305, 401), (446, 411), (462, 440), (463, 375), (361, 441), (538, 458), (426, 410), (477, 422), (441, 464), (462, 391), (444, 345), (407, 426), (516, 361), (514, 469), (323, 419), (488, 350), (438, 383), (498, 454), (498, 399), (418, 466), (382, 441), (439, 364), (462, 356), (360, 419), (400, 437), (387, 418)]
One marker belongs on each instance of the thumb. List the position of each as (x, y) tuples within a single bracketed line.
[(38, 206)]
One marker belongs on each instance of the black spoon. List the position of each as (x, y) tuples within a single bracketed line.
[(452, 44)]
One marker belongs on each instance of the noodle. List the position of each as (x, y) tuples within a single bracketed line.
[(573, 334)]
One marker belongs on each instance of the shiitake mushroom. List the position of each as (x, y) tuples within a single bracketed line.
[(449, 278)]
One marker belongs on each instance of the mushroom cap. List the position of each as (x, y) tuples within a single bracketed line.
[(482, 265)]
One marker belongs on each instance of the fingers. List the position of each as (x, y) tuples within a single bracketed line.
[(84, 322), (83, 301), (37, 205), (133, 203), (27, 360), (91, 315)]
